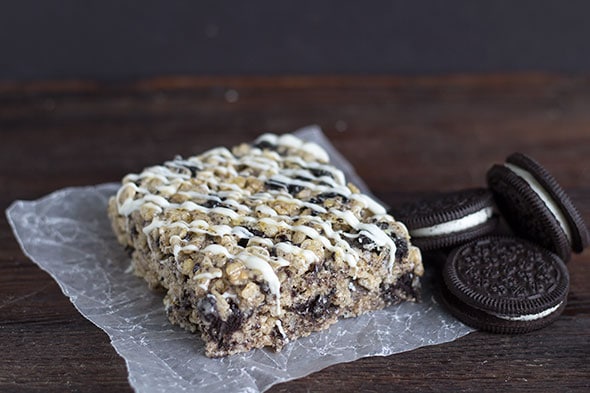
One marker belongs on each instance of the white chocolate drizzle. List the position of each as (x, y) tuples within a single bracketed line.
[(293, 142), (256, 263), (164, 194), (280, 328)]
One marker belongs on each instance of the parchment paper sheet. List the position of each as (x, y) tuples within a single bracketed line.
[(68, 234)]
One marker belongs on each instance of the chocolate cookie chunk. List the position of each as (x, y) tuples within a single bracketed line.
[(536, 207), (448, 219), (504, 285)]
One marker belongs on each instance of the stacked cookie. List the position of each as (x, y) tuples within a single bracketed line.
[(509, 277)]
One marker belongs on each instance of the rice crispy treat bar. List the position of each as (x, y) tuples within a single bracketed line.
[(262, 244)]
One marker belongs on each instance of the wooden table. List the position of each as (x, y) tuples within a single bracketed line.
[(405, 136)]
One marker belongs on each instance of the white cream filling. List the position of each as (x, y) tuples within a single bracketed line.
[(544, 196), (528, 317), (469, 221)]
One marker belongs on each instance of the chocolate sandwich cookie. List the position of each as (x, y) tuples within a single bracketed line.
[(536, 207), (448, 219), (504, 285)]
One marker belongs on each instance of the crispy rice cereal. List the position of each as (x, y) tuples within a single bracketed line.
[(262, 244)]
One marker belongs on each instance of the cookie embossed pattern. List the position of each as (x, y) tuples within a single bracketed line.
[(67, 234), (505, 285)]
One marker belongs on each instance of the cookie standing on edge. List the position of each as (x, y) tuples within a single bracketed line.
[(504, 285), (536, 207), (448, 219)]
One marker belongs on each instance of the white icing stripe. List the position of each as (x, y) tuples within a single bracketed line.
[(207, 277), (241, 232), (268, 274), (131, 205), (266, 210), (371, 231), (544, 196), (528, 317), (373, 206), (289, 140), (280, 327), (290, 199), (156, 223), (238, 206), (288, 248), (461, 224), (316, 150), (260, 240), (217, 249), (336, 173), (288, 181), (292, 142), (178, 248), (225, 212)]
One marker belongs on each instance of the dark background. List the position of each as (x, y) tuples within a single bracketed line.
[(111, 40)]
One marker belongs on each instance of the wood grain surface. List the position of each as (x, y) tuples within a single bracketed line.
[(406, 137)]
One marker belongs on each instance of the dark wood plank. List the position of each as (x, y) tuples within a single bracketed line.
[(406, 136)]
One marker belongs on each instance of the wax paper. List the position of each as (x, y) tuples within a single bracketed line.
[(68, 234)]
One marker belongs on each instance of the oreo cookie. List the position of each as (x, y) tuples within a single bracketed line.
[(448, 219), (536, 207), (504, 285)]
